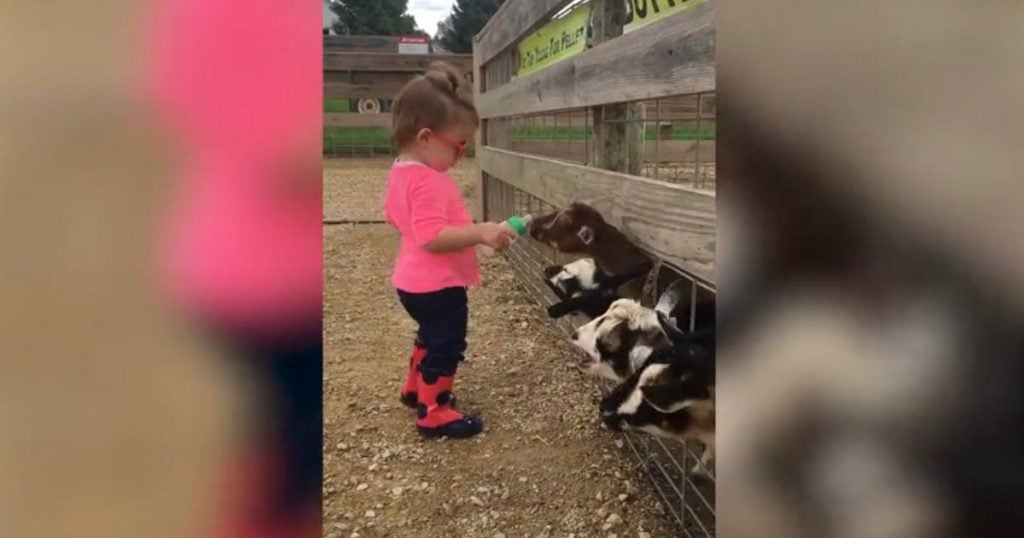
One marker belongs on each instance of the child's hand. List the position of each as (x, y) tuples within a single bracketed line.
[(497, 236)]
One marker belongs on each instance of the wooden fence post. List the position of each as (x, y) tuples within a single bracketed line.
[(618, 129), (480, 205)]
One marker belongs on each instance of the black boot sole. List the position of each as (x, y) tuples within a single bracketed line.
[(468, 426)]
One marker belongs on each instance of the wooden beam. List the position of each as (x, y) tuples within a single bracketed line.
[(673, 56), (357, 120), (515, 19), (385, 61), (480, 205), (618, 135), (661, 151), (355, 90), (361, 43), (673, 222)]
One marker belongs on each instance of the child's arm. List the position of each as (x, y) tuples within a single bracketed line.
[(494, 235), (432, 233)]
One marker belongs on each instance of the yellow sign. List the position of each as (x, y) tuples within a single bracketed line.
[(640, 13), (559, 39)]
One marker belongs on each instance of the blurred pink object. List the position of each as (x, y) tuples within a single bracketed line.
[(240, 83)]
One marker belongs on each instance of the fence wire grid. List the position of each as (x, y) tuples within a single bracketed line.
[(688, 501)]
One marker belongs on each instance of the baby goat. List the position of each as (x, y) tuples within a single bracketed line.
[(583, 287), (580, 229), (671, 394), (671, 397), (621, 340)]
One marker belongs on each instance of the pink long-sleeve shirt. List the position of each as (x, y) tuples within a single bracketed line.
[(239, 83), (420, 202)]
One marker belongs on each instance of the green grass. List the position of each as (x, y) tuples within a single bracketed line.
[(335, 105), (366, 136), (579, 132), (376, 141), (359, 140)]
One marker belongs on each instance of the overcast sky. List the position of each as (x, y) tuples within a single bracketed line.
[(430, 12)]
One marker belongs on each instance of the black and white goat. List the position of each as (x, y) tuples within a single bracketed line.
[(622, 339), (670, 397), (583, 287), (666, 377)]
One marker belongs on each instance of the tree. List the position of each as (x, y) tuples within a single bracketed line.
[(374, 17), (443, 27), (468, 17)]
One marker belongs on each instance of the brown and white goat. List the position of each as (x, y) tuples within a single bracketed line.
[(580, 229)]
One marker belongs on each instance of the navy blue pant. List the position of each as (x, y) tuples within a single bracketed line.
[(442, 316)]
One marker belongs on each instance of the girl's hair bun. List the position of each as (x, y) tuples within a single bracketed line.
[(434, 100), (446, 77)]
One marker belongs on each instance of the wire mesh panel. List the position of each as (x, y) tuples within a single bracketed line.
[(563, 135), (679, 139), (688, 500)]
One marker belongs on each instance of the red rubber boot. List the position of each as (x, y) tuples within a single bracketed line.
[(434, 414), (410, 388)]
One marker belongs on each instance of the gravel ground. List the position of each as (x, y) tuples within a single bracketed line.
[(543, 467), (354, 188)]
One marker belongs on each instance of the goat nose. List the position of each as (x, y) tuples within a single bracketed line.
[(576, 334)]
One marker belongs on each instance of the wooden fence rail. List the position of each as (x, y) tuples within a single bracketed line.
[(673, 222), (670, 57)]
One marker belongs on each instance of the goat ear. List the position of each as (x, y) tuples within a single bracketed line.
[(559, 292), (586, 234), (671, 329), (613, 338), (670, 298)]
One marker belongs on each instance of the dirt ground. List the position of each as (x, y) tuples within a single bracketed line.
[(354, 187), (543, 468)]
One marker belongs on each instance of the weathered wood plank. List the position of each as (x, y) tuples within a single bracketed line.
[(673, 222), (349, 90), (513, 20), (479, 83), (361, 43), (357, 120), (661, 151), (384, 61), (618, 136), (673, 56)]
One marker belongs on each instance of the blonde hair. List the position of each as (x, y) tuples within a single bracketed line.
[(434, 100)]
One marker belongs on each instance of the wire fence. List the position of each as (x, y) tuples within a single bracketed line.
[(689, 501), (677, 141)]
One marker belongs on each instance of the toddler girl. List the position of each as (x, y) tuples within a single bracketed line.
[(433, 121)]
